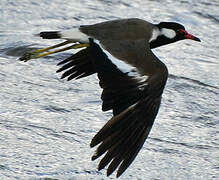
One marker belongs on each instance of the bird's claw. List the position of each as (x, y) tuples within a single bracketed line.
[(28, 56)]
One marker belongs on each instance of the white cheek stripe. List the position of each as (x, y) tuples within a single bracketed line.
[(169, 33)]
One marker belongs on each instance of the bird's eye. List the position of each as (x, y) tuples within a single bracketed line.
[(181, 31)]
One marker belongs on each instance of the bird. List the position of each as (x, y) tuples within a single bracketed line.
[(131, 76)]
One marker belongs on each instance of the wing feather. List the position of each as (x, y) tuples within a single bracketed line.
[(135, 104), (134, 100)]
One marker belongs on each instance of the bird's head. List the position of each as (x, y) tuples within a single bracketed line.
[(169, 32)]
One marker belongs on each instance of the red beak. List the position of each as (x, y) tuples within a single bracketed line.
[(189, 36)]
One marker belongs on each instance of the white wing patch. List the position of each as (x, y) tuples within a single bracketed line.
[(74, 35), (123, 66)]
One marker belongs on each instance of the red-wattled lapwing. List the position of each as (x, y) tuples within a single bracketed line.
[(131, 76)]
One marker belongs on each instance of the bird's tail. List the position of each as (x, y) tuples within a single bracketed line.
[(73, 35), (50, 35)]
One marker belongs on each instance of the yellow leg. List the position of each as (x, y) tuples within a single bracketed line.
[(51, 47), (39, 52), (75, 46)]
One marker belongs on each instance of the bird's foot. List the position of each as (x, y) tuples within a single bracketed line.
[(29, 55)]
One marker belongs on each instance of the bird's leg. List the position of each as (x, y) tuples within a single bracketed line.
[(35, 53), (38, 53)]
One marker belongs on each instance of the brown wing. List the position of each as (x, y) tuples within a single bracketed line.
[(122, 29)]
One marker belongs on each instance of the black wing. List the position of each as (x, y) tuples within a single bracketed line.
[(119, 89), (78, 65), (135, 104)]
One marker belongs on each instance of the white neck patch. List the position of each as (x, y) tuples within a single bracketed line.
[(169, 33), (155, 34)]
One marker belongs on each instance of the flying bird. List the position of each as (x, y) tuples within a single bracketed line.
[(131, 76)]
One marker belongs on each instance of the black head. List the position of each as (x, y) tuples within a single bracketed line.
[(170, 25), (170, 32)]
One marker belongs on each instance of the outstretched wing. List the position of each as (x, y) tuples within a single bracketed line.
[(120, 89), (135, 102), (135, 109), (78, 65)]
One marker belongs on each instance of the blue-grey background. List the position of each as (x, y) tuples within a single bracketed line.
[(46, 124)]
